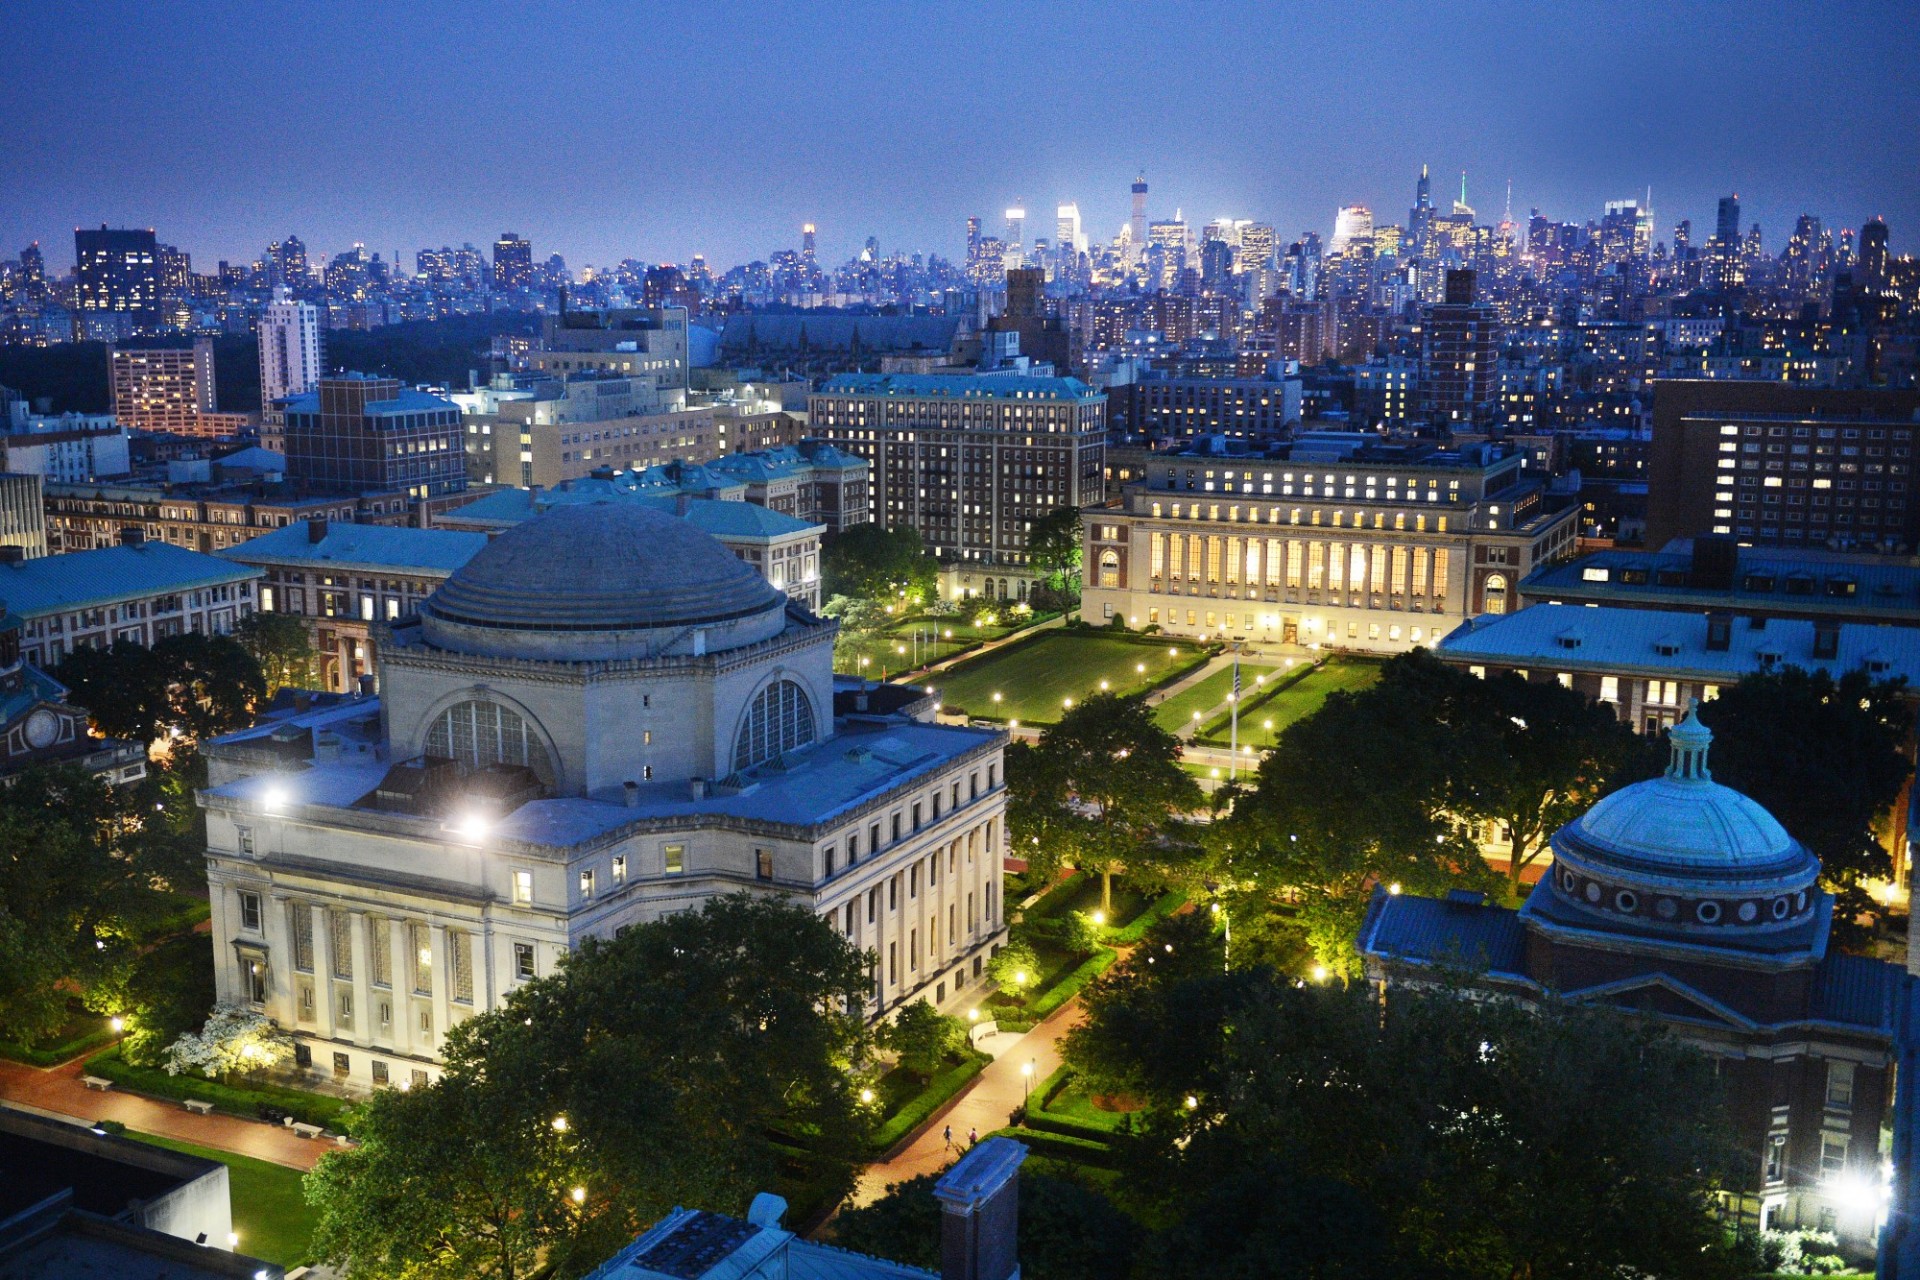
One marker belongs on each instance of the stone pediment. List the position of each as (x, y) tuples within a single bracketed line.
[(1664, 997)]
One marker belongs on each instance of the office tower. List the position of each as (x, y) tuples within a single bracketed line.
[(807, 241), (1873, 262), (968, 462), (1626, 231), (1727, 223), (1216, 265), (973, 238), (870, 252), (289, 348), (1352, 226), (33, 266), (1137, 224), (512, 262), (358, 433), (1459, 374), (287, 264), (1460, 207), (1683, 238), (1723, 270), (1016, 236), (1256, 247), (1067, 234), (165, 388), (173, 270), (117, 272), (1800, 263)]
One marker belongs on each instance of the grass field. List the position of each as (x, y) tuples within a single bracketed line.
[(273, 1219), (1262, 721), (1034, 677), (1176, 713), (896, 650)]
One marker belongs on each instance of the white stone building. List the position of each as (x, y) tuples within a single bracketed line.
[(602, 718)]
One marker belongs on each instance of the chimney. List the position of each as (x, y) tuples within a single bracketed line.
[(366, 685), (317, 530), (630, 794), (1826, 639), (980, 1213), (697, 788), (133, 535)]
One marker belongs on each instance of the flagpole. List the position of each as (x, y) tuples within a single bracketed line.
[(1233, 764)]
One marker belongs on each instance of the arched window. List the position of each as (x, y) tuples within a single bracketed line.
[(482, 733), (1494, 595), (1109, 568), (780, 720)]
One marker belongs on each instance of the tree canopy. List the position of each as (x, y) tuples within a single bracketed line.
[(281, 645), (1054, 546), (1098, 790), (871, 562), (197, 684), (696, 1059), (1825, 757), (1439, 1136)]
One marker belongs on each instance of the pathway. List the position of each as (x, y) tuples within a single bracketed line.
[(984, 1105), (57, 1091)]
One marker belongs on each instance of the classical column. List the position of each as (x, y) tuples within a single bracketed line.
[(280, 1003), (400, 972), (360, 955), (322, 970), (442, 981)]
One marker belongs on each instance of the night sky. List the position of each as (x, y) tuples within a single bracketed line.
[(605, 131)]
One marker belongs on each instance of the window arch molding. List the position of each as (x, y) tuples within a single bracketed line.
[(778, 718), (501, 729)]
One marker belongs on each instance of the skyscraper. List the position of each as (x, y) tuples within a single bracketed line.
[(1459, 375), (1420, 217), (512, 262), (1256, 247), (118, 272), (1727, 224), (1352, 227), (1137, 225), (168, 389), (1067, 234), (807, 241), (289, 348), (1016, 235), (1723, 251)]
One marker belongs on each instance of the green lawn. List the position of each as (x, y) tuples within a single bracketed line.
[(1263, 720), (273, 1219), (895, 649), (1176, 713), (1034, 676)]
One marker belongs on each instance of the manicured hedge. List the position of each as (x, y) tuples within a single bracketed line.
[(1055, 898), (1135, 929), (916, 1110), (1061, 1146), (1067, 1126), (1070, 986), (240, 1100), (54, 1055)]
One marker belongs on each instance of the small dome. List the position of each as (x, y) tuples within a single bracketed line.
[(602, 566), (1682, 851)]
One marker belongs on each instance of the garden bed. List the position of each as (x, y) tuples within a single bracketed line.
[(81, 1033), (908, 1104), (244, 1100)]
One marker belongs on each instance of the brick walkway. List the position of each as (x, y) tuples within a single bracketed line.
[(57, 1091), (984, 1105)]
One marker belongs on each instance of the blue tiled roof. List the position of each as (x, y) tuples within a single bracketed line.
[(1435, 931), (721, 519), (1859, 991), (365, 546), (89, 579), (956, 386)]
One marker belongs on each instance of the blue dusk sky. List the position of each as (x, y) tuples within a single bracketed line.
[(656, 131)]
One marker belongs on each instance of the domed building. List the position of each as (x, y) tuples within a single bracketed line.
[(601, 718), (1685, 901)]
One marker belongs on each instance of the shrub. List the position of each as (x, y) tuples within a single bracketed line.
[(1070, 986), (236, 1099), (1015, 969), (234, 1041), (915, 1112), (922, 1037), (1136, 928)]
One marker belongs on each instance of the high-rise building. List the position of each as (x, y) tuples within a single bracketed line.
[(1137, 224), (1459, 373), (512, 262), (287, 264), (1874, 261), (1352, 226), (807, 247), (968, 462), (168, 389), (118, 271), (357, 433), (289, 348), (1067, 234), (1256, 247)]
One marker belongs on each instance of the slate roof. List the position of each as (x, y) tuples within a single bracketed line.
[(109, 575), (1438, 931), (434, 552)]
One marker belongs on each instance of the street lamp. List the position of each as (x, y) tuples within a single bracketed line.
[(579, 1195), (866, 1096), (1026, 1080)]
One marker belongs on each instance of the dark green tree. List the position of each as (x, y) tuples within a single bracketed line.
[(1455, 1120), (890, 566), (195, 685), (1105, 784), (281, 645), (684, 1061), (1054, 546), (923, 1037), (1826, 758)]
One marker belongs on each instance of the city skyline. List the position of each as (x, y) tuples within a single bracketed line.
[(1393, 89)]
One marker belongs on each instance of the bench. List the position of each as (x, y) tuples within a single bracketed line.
[(97, 1082), (305, 1130), (199, 1106)]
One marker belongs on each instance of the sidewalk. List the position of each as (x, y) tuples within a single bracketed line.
[(985, 1105), (57, 1091)]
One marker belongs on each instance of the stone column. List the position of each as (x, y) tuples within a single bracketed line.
[(360, 954), (400, 953), (442, 982), (280, 1003), (322, 971)]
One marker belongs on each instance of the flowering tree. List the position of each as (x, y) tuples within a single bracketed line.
[(234, 1040)]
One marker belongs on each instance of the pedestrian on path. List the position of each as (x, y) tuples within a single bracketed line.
[(948, 1135), (973, 1137)]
